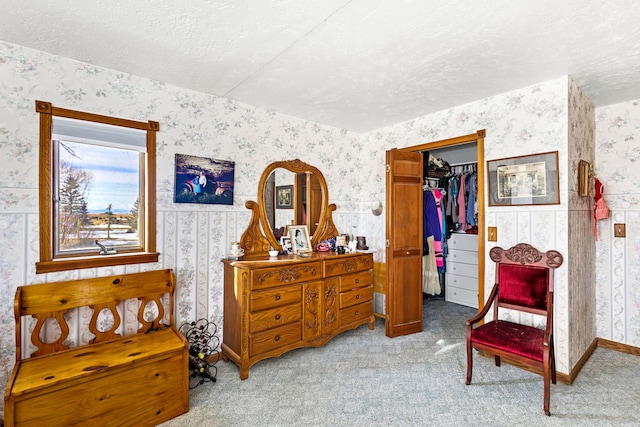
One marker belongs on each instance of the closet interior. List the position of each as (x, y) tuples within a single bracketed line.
[(450, 224)]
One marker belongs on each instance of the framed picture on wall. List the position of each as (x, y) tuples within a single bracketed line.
[(284, 197), (203, 180), (584, 178), (524, 180)]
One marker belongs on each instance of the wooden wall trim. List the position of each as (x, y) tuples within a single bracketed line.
[(623, 348), (446, 142), (569, 379)]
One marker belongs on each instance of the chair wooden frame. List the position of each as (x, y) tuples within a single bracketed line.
[(537, 349)]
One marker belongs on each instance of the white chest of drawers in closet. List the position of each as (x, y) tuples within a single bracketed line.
[(461, 276)]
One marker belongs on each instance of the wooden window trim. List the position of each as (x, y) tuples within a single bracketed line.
[(47, 263)]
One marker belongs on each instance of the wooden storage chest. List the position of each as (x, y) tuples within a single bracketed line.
[(139, 379)]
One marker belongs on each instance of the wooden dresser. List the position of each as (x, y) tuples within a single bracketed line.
[(273, 305)]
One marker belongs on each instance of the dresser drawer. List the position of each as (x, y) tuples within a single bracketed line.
[(348, 264), (278, 316), (467, 257), (261, 300), (356, 313), (262, 342), (467, 242), (287, 274), (356, 296), (462, 269), (462, 296), (358, 280), (462, 282)]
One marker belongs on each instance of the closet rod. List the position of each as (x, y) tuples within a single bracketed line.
[(463, 164)]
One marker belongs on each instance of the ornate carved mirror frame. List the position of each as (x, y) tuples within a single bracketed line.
[(258, 238)]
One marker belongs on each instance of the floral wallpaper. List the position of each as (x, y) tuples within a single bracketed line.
[(617, 153), (548, 116), (580, 256), (191, 238)]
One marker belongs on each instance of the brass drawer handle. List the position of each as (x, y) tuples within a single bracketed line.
[(357, 313), (277, 317), (277, 338), (358, 296), (357, 281), (278, 297)]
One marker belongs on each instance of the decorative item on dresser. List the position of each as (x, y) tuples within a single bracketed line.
[(276, 304), (461, 276), (139, 379)]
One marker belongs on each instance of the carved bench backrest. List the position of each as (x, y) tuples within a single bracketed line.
[(54, 301)]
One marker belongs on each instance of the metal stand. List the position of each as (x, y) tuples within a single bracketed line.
[(203, 351)]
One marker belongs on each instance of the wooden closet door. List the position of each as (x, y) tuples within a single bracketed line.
[(404, 243)]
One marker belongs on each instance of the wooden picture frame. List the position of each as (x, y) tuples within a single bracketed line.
[(300, 241), (284, 197), (584, 178), (524, 180), (285, 242)]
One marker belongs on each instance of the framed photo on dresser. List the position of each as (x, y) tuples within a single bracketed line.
[(300, 241)]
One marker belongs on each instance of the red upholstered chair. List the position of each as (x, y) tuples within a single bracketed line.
[(524, 282)]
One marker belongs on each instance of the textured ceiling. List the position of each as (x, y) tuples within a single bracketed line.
[(353, 64)]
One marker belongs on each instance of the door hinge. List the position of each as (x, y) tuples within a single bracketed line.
[(387, 242), (388, 167)]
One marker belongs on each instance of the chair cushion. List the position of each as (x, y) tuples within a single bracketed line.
[(512, 337), (524, 285)]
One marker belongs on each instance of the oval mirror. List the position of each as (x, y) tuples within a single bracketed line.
[(290, 192), (292, 199)]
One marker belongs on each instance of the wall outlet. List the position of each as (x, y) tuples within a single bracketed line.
[(492, 234)]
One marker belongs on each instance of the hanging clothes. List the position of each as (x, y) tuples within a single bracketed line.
[(471, 200), (600, 210), (462, 211), (453, 199), (430, 276), (430, 219), (450, 206), (437, 242), (432, 241), (461, 203)]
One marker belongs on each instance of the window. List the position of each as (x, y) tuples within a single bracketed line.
[(97, 190)]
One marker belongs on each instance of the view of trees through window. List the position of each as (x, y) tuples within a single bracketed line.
[(98, 197)]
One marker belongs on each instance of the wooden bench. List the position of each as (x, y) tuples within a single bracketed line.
[(91, 370)]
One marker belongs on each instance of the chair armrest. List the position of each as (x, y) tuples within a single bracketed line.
[(478, 317)]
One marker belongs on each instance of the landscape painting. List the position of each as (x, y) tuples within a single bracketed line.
[(203, 180)]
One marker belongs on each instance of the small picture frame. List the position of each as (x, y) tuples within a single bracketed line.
[(584, 178), (285, 242), (300, 241), (284, 197)]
